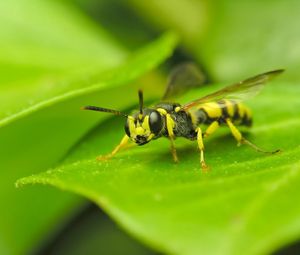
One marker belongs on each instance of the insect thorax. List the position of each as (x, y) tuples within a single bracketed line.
[(184, 126)]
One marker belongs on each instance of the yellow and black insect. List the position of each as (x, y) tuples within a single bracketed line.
[(172, 120)]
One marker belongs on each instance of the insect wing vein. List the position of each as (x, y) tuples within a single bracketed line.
[(237, 92), (183, 78)]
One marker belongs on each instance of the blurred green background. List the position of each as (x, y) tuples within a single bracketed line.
[(51, 52)]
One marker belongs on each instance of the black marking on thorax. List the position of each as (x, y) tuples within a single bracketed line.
[(184, 125)]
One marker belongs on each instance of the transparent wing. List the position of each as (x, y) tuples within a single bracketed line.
[(183, 78), (237, 92)]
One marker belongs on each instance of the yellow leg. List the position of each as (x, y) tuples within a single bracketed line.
[(173, 150), (211, 128), (201, 148), (170, 126), (121, 145), (241, 140)]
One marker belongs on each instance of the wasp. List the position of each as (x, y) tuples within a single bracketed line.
[(166, 119)]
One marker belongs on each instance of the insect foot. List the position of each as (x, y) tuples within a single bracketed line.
[(175, 159), (104, 157), (276, 151), (205, 168)]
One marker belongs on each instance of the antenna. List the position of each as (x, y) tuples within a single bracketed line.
[(141, 101), (100, 109)]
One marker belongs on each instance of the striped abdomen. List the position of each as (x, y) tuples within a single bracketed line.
[(237, 112)]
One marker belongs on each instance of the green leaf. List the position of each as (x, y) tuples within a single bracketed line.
[(48, 49), (246, 198)]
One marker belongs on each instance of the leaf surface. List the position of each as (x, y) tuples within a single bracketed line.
[(177, 208)]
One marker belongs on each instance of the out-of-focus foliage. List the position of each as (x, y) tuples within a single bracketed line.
[(45, 48), (232, 38)]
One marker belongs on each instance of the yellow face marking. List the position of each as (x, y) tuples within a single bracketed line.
[(145, 124), (131, 126), (142, 129), (139, 131)]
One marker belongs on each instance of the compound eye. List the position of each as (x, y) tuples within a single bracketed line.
[(126, 128), (155, 122)]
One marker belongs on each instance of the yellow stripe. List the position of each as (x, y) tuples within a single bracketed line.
[(194, 118), (145, 124), (241, 110), (229, 107), (212, 109), (248, 112)]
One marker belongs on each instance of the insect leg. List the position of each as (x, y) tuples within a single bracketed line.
[(201, 148), (121, 145), (173, 150), (241, 140), (170, 126), (211, 128)]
